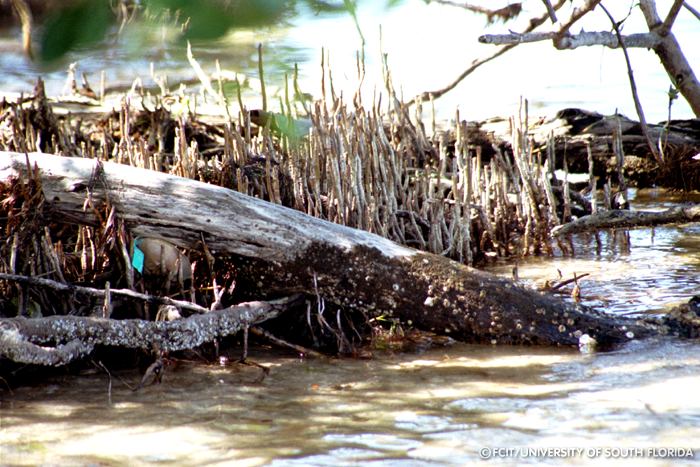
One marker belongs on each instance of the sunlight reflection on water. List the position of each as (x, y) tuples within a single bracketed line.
[(368, 412)]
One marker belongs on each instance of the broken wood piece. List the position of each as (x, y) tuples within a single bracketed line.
[(304, 351), (623, 219), (58, 340)]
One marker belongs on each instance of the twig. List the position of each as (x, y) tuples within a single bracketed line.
[(633, 87), (263, 94), (534, 23), (577, 15), (102, 367), (506, 13), (561, 284), (692, 10), (93, 292), (202, 76), (550, 11)]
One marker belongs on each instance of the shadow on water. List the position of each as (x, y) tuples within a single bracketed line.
[(440, 407)]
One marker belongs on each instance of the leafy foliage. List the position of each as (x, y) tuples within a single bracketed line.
[(82, 23), (77, 25)]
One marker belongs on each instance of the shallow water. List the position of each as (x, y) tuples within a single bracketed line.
[(650, 270), (442, 407)]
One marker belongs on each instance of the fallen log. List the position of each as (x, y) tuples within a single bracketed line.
[(623, 219), (284, 251)]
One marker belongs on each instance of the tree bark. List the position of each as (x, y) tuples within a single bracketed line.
[(72, 337), (583, 39), (671, 56), (283, 251), (621, 219)]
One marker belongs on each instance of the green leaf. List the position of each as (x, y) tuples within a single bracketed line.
[(80, 24), (210, 19)]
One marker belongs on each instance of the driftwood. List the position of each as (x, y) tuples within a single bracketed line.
[(283, 251), (576, 131), (73, 337), (621, 219)]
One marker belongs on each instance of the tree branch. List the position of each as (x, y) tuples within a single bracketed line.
[(583, 39), (670, 18), (692, 10), (578, 13), (62, 287), (633, 87), (534, 23), (506, 13), (22, 340), (669, 51), (623, 219), (550, 11)]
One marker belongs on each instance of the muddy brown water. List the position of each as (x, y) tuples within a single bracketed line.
[(456, 405)]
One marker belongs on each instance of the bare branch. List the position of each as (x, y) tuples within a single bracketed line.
[(695, 12), (671, 55), (583, 39), (670, 18), (506, 13), (100, 293), (623, 219), (578, 13), (633, 87), (550, 11), (534, 23)]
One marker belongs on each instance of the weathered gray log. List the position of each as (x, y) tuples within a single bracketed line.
[(621, 219), (283, 250), (72, 337)]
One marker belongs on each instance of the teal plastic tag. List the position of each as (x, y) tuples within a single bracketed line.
[(137, 260)]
